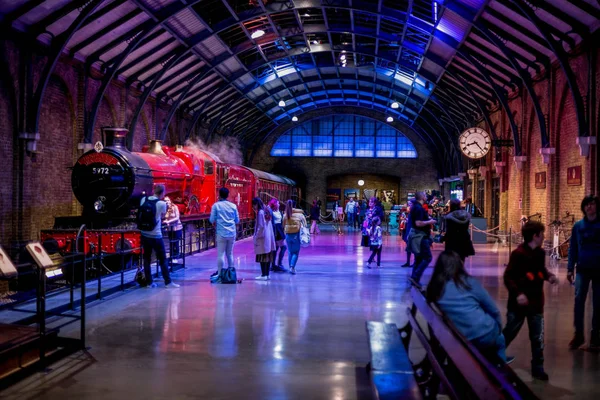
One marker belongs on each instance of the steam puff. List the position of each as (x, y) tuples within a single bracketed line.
[(226, 149)]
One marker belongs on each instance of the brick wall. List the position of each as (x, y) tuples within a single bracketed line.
[(520, 197), (45, 176)]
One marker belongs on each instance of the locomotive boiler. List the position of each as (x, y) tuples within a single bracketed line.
[(109, 182)]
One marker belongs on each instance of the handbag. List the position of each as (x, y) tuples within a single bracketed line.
[(140, 276), (228, 275), (304, 236)]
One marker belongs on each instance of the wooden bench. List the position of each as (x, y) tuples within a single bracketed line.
[(390, 369), (453, 363)]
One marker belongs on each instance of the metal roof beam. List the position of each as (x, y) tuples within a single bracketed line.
[(525, 79), (563, 60)]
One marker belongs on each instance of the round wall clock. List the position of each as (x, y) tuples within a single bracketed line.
[(475, 143)]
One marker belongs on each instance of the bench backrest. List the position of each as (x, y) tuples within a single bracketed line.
[(485, 379)]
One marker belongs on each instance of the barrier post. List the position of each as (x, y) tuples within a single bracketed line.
[(510, 240)]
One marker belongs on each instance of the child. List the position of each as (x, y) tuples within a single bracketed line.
[(524, 278), (375, 241)]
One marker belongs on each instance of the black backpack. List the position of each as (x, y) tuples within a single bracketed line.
[(146, 215)]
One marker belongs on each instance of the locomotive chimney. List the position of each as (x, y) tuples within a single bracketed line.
[(156, 147), (114, 137)]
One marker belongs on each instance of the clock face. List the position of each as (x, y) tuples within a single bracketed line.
[(475, 142)]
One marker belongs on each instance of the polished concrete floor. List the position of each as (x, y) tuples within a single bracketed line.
[(294, 337)]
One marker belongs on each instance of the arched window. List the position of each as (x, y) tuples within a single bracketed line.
[(344, 136)]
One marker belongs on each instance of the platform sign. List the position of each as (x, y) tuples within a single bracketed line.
[(7, 268), (43, 260)]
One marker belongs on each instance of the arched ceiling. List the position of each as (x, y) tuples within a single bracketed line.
[(446, 63)]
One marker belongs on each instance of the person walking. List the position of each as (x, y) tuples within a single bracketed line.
[(293, 221), (264, 238), (457, 236), (584, 268), (315, 215), (280, 245), (224, 215), (419, 238), (405, 233), (375, 242), (152, 239), (524, 278), (350, 212)]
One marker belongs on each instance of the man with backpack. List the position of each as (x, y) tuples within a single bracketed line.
[(152, 210)]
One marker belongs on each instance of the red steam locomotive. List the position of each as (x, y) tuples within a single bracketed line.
[(109, 182)]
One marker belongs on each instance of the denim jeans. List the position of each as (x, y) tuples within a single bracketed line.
[(175, 242), (224, 248), (535, 323), (376, 252), (493, 341), (350, 217), (293, 244), (156, 244), (422, 260), (582, 285)]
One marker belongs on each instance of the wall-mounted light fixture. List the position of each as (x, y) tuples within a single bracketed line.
[(295, 119), (361, 182)]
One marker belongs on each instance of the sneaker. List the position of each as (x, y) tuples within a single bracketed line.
[(577, 341), (369, 265), (150, 286), (172, 285), (293, 270), (510, 359), (405, 265), (261, 278), (540, 374), (279, 268)]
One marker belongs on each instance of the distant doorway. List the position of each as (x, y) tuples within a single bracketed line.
[(495, 202)]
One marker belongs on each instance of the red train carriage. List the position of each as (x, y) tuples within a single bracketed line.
[(110, 181)]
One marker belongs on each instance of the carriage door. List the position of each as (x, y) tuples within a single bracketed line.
[(495, 202)]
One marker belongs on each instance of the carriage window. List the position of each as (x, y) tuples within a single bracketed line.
[(208, 168)]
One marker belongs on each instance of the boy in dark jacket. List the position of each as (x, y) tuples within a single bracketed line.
[(524, 278)]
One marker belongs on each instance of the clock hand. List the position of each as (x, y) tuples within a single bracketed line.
[(478, 146)]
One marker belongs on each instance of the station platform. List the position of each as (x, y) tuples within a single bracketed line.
[(293, 337)]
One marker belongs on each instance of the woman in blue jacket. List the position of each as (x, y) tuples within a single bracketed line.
[(467, 304)]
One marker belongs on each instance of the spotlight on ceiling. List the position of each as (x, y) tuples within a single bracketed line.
[(307, 15), (256, 34), (361, 182), (281, 103), (395, 105), (343, 57), (390, 119), (315, 42), (295, 119)]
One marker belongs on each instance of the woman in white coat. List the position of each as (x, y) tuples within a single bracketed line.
[(264, 238)]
